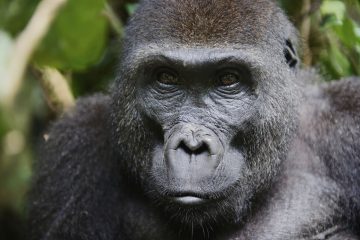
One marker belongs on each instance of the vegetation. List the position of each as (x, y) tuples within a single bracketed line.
[(54, 51)]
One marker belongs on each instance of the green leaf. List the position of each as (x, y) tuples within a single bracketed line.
[(77, 37), (131, 7), (15, 14), (334, 7), (336, 63), (348, 32), (291, 7), (357, 48)]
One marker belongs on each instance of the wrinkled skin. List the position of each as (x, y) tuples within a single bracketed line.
[(211, 131)]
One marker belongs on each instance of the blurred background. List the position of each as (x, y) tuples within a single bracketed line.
[(54, 51)]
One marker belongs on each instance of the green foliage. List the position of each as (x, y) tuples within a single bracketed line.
[(131, 7), (343, 39), (17, 145), (15, 14), (80, 44), (77, 38), (335, 34)]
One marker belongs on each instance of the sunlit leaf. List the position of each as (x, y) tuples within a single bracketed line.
[(347, 32), (334, 7)]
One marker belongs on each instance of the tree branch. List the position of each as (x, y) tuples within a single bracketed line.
[(56, 90), (114, 21), (305, 30), (27, 42)]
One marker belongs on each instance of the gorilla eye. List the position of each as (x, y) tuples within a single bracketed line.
[(168, 77), (228, 79)]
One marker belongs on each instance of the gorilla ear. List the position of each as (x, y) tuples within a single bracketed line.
[(290, 54)]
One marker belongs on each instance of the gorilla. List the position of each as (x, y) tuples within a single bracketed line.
[(212, 130)]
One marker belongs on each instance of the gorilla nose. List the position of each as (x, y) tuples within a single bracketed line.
[(193, 146), (193, 150)]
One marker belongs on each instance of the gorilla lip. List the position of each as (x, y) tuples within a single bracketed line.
[(190, 200)]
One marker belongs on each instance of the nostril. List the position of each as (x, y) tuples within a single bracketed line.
[(194, 149), (185, 148), (203, 148)]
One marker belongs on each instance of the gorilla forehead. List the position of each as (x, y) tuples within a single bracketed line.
[(206, 21)]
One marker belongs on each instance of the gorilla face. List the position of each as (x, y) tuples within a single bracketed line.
[(203, 118), (201, 105), (212, 125)]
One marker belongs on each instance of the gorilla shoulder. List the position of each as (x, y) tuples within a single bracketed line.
[(331, 125), (80, 135), (344, 97), (76, 157), (82, 125), (333, 110)]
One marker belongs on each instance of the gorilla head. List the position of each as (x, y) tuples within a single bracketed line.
[(204, 109)]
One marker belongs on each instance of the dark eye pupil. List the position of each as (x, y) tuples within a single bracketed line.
[(228, 79), (167, 78)]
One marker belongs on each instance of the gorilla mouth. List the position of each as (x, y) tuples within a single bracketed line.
[(190, 200)]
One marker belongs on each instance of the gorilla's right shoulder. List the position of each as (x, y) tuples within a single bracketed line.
[(90, 113), (84, 123), (80, 134)]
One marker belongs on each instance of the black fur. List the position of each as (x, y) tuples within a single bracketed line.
[(297, 172)]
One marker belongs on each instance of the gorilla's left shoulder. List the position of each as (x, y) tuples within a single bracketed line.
[(336, 134), (90, 110), (333, 115), (344, 97)]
